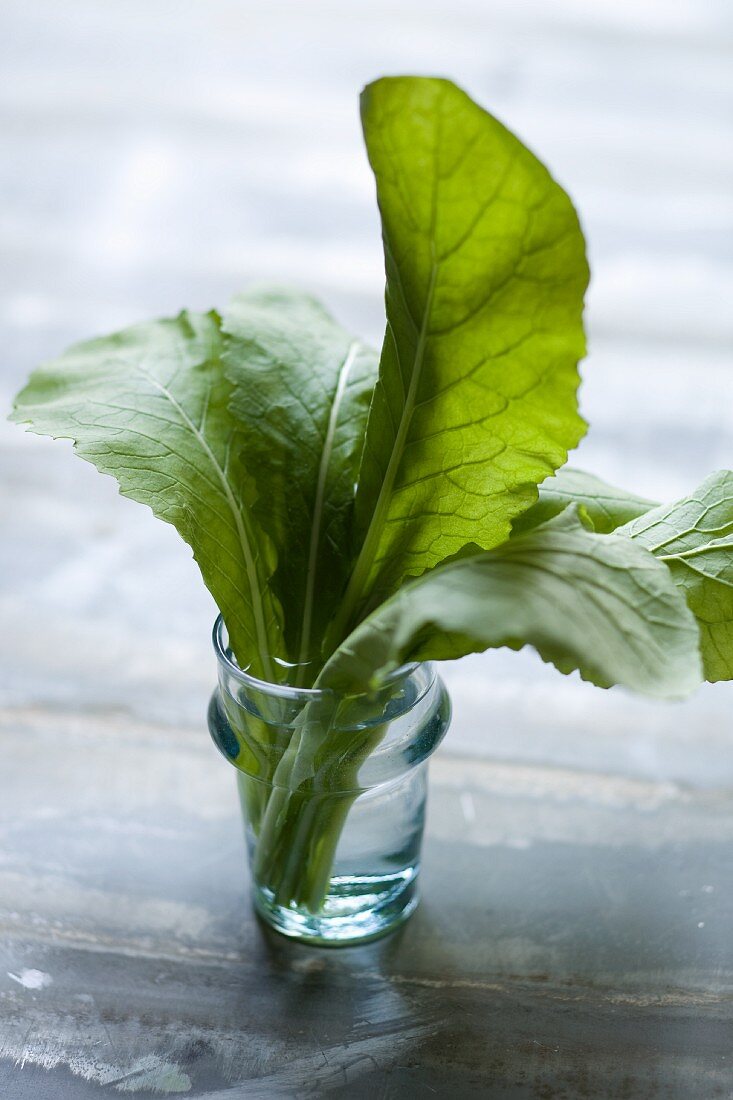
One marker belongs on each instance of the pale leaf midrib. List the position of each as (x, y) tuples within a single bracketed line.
[(376, 524), (250, 566), (319, 503), (369, 546)]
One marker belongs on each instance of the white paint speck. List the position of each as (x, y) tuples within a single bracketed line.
[(701, 924), (31, 979), (708, 889), (469, 810)]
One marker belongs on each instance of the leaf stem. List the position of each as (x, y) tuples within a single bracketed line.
[(315, 533), (239, 521), (367, 554)]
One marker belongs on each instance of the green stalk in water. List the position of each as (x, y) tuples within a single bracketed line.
[(313, 787)]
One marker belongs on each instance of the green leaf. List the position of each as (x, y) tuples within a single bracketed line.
[(606, 506), (595, 603), (149, 406), (694, 537), (476, 398), (301, 391)]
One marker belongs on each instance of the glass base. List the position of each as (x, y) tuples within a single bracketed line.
[(357, 908)]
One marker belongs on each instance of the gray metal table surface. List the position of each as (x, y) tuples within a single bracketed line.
[(575, 934)]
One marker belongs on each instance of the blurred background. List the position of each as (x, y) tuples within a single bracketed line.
[(157, 155)]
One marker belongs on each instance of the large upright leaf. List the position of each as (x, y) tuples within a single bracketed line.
[(486, 271), (595, 603), (149, 406), (301, 391), (694, 537), (606, 506)]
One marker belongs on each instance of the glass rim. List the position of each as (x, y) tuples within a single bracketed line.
[(289, 691)]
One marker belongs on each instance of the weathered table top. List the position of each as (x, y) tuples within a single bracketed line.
[(576, 933)]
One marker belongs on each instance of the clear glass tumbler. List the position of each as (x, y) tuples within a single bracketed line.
[(333, 790)]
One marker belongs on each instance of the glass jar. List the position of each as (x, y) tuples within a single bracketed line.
[(333, 790)]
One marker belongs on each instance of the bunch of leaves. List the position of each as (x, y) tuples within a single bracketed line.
[(352, 511)]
